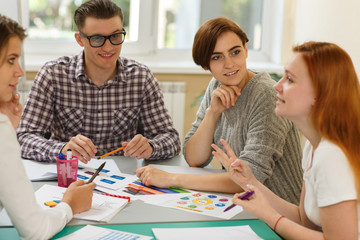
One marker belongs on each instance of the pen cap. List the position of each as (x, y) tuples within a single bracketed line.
[(69, 154)]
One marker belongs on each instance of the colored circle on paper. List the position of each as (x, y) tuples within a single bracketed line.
[(192, 206), (209, 208), (220, 205), (185, 198), (197, 195), (223, 200), (202, 201), (182, 202), (212, 196)]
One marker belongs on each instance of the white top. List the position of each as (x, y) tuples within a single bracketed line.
[(17, 193), (328, 181)]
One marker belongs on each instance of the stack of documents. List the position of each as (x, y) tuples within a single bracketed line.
[(103, 207)]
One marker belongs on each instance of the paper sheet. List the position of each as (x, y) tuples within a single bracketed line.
[(109, 179), (201, 203), (210, 233), (90, 232), (156, 198), (103, 208), (37, 171)]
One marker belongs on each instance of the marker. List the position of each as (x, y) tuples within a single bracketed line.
[(109, 153), (69, 154), (68, 164), (63, 169), (97, 172), (245, 196)]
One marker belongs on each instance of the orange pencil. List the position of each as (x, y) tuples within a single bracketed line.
[(109, 153)]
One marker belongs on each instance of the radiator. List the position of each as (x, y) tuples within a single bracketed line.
[(174, 97)]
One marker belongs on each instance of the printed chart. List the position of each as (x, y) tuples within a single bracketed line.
[(203, 203), (137, 188), (109, 180)]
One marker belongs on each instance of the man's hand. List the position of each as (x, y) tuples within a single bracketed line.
[(138, 147), (81, 147)]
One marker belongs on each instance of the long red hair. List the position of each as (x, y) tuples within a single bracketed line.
[(336, 114)]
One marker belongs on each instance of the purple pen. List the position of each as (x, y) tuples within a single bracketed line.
[(245, 196)]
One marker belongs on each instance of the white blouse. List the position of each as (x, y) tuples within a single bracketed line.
[(17, 193)]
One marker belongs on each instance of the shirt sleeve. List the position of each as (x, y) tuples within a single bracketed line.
[(157, 123), (36, 120), (18, 198)]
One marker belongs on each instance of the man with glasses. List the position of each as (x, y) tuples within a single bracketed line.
[(96, 101)]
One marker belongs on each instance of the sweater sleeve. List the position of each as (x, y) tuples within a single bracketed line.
[(17, 196), (266, 134)]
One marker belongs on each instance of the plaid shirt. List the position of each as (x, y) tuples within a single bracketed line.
[(65, 102)]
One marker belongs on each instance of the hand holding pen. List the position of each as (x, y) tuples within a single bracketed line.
[(245, 196)]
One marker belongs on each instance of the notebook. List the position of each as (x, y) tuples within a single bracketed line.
[(103, 207)]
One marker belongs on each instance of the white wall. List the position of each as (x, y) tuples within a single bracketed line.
[(11, 9), (336, 21)]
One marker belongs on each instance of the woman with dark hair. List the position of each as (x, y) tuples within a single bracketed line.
[(238, 106), (16, 191), (320, 93)]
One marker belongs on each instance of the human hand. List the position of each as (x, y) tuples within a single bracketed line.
[(152, 176), (79, 196), (224, 97), (238, 170), (257, 204), (138, 147), (81, 147), (12, 109)]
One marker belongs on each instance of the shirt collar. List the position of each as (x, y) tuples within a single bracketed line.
[(80, 68), (80, 65)]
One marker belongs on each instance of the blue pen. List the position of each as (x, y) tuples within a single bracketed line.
[(61, 156), (245, 196)]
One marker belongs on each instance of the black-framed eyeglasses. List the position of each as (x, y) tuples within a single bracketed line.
[(99, 40)]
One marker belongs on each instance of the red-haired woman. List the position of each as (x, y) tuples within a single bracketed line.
[(320, 93)]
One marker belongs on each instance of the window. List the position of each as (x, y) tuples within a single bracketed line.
[(178, 20), (54, 19), (157, 30)]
